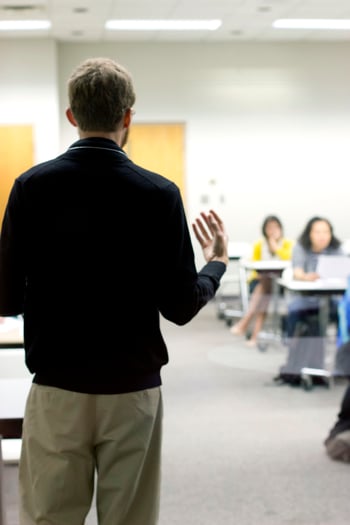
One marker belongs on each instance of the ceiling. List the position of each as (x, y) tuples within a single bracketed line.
[(242, 20)]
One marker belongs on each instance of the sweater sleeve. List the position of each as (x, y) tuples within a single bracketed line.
[(191, 300), (285, 251), (299, 257), (182, 290)]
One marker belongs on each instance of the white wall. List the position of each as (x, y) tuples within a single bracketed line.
[(268, 125), (29, 91)]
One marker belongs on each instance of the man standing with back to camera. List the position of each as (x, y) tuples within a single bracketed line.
[(93, 249)]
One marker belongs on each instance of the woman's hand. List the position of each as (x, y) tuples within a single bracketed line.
[(300, 275), (272, 244)]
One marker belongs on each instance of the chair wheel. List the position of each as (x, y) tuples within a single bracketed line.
[(262, 347), (306, 383)]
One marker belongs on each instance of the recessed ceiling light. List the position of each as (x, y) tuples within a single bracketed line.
[(24, 25), (312, 23), (163, 25)]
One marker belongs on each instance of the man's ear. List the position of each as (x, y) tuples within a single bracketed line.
[(127, 118), (70, 117)]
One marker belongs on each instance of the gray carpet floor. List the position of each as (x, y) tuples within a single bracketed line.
[(238, 449)]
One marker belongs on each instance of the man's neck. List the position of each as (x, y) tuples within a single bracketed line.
[(115, 135)]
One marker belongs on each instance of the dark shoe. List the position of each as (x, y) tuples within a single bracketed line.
[(319, 380), (288, 379), (338, 447)]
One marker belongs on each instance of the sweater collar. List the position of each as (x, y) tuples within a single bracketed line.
[(97, 143)]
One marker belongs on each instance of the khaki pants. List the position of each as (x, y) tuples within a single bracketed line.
[(71, 439)]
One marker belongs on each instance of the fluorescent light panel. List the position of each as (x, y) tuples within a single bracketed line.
[(24, 25), (163, 25), (312, 23)]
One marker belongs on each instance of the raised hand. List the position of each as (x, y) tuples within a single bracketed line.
[(210, 232)]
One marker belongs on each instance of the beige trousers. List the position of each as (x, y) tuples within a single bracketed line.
[(72, 439)]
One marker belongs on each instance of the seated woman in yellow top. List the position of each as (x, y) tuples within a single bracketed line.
[(273, 245)]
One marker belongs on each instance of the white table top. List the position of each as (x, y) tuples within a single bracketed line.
[(13, 396), (11, 330), (320, 285), (266, 265)]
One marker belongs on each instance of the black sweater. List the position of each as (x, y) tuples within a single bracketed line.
[(92, 249)]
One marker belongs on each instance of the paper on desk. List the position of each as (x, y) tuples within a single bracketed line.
[(333, 266)]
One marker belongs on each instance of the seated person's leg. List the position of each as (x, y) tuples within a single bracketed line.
[(256, 291), (300, 321), (293, 318)]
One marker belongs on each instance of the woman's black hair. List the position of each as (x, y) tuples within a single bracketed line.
[(270, 218), (305, 240)]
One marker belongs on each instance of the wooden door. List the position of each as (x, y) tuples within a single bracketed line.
[(16, 156), (159, 148)]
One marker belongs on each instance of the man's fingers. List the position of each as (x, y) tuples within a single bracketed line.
[(218, 220), (203, 229)]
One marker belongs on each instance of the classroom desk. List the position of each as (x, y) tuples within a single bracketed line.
[(321, 287), (273, 268), (11, 332), (324, 288)]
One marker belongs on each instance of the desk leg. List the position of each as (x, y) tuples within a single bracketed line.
[(243, 288), (272, 336), (275, 296)]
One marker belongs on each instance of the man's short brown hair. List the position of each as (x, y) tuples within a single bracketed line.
[(99, 91)]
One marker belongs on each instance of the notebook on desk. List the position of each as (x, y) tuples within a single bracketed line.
[(333, 266)]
